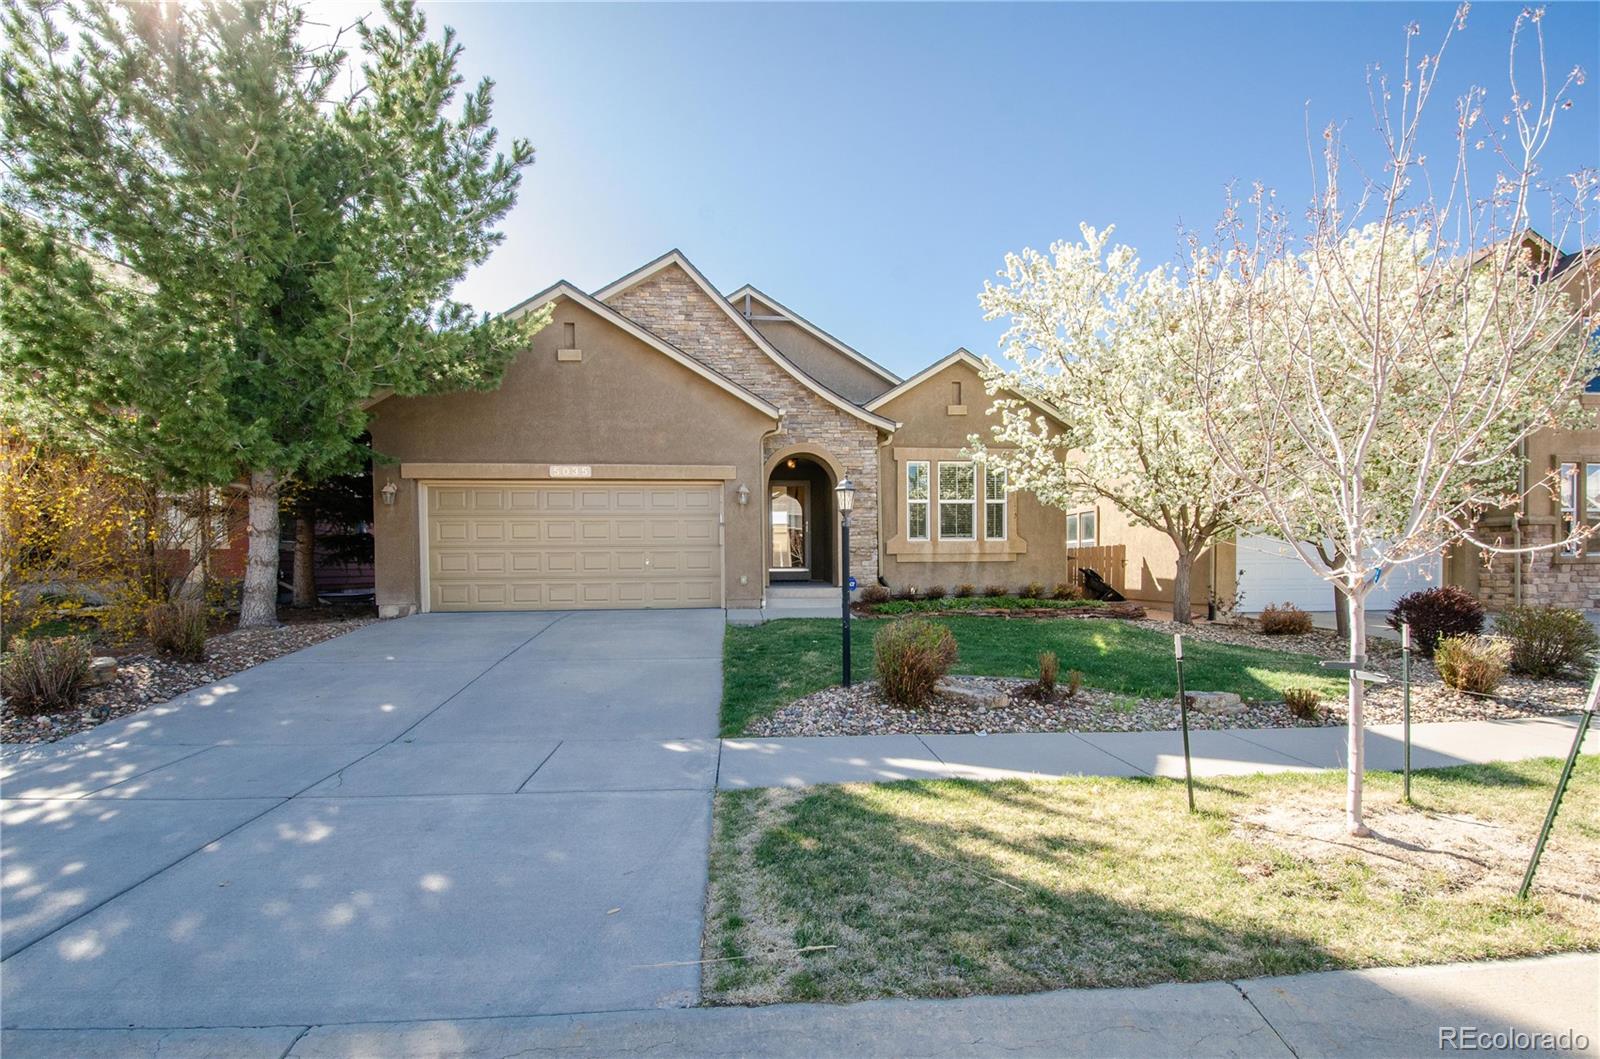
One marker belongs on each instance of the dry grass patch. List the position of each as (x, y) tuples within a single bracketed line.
[(944, 888)]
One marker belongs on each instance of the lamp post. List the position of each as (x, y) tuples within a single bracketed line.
[(846, 492)]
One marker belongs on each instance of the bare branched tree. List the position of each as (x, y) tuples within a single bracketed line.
[(1372, 369)]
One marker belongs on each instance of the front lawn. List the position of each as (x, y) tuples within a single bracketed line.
[(766, 666), (944, 888)]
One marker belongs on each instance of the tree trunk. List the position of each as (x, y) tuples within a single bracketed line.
[(1356, 752), (1341, 614), (305, 561), (258, 607), (1181, 589)]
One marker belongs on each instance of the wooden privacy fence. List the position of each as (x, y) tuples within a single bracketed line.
[(1110, 561)]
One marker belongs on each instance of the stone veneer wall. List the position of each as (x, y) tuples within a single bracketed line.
[(1547, 579), (673, 306)]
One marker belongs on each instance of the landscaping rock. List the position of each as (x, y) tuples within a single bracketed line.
[(1215, 701), (102, 670), (137, 680), (972, 693)]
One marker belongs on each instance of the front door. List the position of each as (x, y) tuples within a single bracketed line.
[(791, 541)]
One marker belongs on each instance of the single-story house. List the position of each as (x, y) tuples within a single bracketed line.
[(661, 444)]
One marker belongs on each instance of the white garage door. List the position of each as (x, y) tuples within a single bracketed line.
[(1270, 572), (538, 546)]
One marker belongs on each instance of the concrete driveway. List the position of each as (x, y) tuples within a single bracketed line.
[(443, 817)]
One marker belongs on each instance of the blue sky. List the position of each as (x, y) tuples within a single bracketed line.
[(870, 165)]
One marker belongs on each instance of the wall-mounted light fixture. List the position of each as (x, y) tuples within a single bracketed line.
[(743, 494), (389, 492), (789, 463)]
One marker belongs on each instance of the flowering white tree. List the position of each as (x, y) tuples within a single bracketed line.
[(1372, 377), (1111, 348)]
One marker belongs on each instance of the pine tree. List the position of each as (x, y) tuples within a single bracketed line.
[(213, 256)]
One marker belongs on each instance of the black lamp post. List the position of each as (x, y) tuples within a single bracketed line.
[(846, 492)]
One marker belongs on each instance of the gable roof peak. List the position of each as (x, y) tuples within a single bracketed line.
[(751, 291), (676, 257)]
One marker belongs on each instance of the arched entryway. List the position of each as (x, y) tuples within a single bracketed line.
[(802, 542)]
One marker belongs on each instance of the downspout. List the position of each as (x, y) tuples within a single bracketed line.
[(1516, 521)]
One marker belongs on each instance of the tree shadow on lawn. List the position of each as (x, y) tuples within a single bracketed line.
[(941, 888)]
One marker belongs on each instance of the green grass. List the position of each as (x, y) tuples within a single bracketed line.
[(767, 666), (60, 627), (942, 888), (949, 603)]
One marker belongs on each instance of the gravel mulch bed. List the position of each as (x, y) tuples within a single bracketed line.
[(145, 679), (862, 711)]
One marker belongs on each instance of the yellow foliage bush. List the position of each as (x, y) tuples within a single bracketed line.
[(72, 530)]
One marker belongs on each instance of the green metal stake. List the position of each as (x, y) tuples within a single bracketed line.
[(1561, 785), (1405, 698), (1183, 716)]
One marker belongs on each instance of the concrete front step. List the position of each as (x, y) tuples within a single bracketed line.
[(801, 590)]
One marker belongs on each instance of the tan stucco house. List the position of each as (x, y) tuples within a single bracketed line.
[(661, 444)]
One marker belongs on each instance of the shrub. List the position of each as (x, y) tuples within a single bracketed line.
[(874, 594), (44, 674), (1302, 702), (912, 654), (909, 592), (1472, 663), (1284, 620), (1049, 669), (1067, 590), (996, 590), (1435, 613), (1074, 682), (934, 592), (178, 629), (1032, 590), (1547, 641), (965, 591)]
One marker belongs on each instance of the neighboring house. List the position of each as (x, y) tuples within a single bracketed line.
[(663, 445), (1258, 570), (1562, 477)]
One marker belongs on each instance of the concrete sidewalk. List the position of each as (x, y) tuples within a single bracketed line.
[(753, 762), (1382, 1012)]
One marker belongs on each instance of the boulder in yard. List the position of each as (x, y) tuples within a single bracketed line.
[(102, 670), (1215, 701), (971, 693)]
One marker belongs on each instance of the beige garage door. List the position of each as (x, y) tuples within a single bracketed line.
[(538, 546)]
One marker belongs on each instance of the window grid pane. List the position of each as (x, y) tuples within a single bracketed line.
[(955, 521), (957, 482), (1088, 525), (1072, 531), (917, 481), (994, 500), (958, 501), (917, 521)]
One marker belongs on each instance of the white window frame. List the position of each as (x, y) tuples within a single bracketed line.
[(1002, 502), (1075, 537), (1576, 503), (926, 502), (970, 502)]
